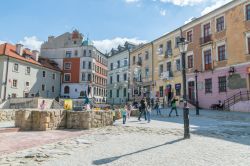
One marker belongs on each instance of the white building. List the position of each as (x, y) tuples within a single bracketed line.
[(24, 74), (118, 74), (84, 67)]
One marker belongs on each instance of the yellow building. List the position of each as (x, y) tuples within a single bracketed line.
[(141, 72)]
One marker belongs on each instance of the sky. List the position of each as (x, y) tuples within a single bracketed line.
[(107, 23)]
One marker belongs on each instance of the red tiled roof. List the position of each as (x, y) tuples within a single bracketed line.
[(10, 50)]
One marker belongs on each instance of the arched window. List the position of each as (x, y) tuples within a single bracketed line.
[(66, 90)]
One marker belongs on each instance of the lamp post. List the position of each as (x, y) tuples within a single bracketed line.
[(196, 88), (182, 45)]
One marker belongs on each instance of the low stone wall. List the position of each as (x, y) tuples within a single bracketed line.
[(7, 115), (38, 120)]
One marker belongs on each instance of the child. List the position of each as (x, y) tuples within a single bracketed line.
[(124, 114)]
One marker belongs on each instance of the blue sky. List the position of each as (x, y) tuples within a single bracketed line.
[(106, 22)]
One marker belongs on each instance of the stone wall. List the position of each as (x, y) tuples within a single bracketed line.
[(38, 120), (7, 115)]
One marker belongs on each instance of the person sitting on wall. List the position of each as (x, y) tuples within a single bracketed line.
[(220, 105)]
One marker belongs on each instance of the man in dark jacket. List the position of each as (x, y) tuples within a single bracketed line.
[(143, 111)]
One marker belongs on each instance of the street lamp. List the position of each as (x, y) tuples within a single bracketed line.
[(182, 45), (196, 88)]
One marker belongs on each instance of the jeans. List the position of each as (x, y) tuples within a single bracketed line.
[(158, 111), (142, 112), (149, 116), (173, 108), (124, 119)]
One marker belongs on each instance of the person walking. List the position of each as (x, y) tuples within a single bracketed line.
[(124, 114), (129, 109), (143, 107), (148, 110), (173, 106), (157, 107)]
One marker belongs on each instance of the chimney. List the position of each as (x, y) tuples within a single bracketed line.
[(50, 38), (19, 49), (35, 55)]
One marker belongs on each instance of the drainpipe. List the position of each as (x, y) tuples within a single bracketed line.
[(153, 68), (6, 74), (129, 74)]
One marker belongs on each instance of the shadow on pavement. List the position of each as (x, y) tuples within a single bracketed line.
[(111, 159)]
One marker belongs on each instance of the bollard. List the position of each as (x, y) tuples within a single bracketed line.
[(186, 121)]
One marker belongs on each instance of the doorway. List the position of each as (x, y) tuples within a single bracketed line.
[(191, 95)]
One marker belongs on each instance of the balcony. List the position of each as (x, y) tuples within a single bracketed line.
[(139, 63), (206, 40), (168, 53), (208, 66)]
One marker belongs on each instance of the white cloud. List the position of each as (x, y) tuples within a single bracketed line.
[(183, 2), (2, 42), (107, 44), (131, 1), (31, 42), (215, 5), (189, 20), (163, 12)]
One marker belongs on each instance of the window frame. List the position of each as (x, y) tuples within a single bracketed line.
[(65, 75), (26, 71), (187, 35), (65, 67), (208, 85), (222, 86), (14, 67), (14, 85), (216, 23)]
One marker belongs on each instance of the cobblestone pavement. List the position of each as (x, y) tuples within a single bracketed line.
[(216, 139)]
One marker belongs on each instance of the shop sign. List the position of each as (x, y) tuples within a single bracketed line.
[(177, 86)]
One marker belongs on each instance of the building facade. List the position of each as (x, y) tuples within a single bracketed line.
[(84, 67), (118, 90), (24, 74), (142, 72)]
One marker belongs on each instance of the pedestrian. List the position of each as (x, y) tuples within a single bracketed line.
[(129, 109), (143, 107), (42, 105), (148, 110), (113, 114), (157, 107), (124, 114), (173, 106)]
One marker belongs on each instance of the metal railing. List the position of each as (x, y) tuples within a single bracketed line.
[(240, 96), (206, 39)]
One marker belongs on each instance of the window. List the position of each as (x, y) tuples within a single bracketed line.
[(248, 12), (83, 64), (66, 90), (15, 67), (160, 49), (133, 60), (126, 62), (190, 36), (178, 89), (67, 66), (111, 66), (90, 53), (28, 70), (160, 69), (177, 40), (118, 78), (124, 92), (110, 93), (84, 53), (53, 76), (67, 77), (206, 30), (147, 72), (90, 65), (125, 77), (248, 44), (222, 84), (208, 85), (111, 80), (208, 60), (169, 45), (68, 54), (221, 53), (118, 64), (44, 73), (146, 55), (117, 92), (27, 84), (89, 77), (178, 65), (76, 52), (169, 66), (220, 24), (53, 89), (190, 61), (83, 77), (14, 83), (161, 91), (43, 87), (74, 42)]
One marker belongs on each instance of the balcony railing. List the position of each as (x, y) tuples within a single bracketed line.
[(168, 53), (208, 66), (139, 63), (206, 39)]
